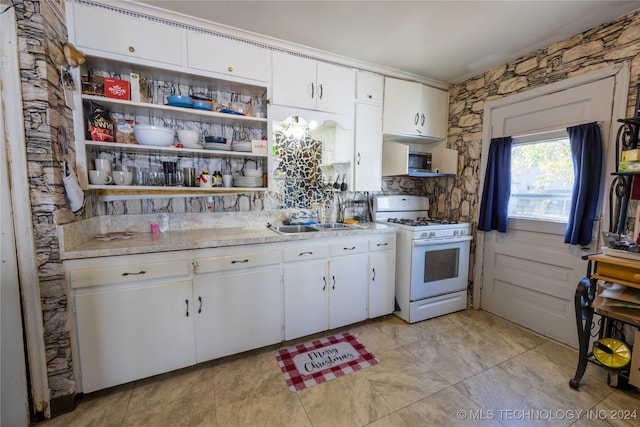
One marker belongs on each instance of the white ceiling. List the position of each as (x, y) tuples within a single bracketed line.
[(448, 41)]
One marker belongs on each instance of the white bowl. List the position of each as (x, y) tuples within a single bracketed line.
[(252, 172), (189, 138), (154, 135)]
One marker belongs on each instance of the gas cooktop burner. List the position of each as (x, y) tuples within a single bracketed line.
[(420, 222)]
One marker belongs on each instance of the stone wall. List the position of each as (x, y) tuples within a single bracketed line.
[(49, 136), (457, 198)]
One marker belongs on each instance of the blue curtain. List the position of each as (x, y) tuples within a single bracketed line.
[(497, 186), (587, 152)]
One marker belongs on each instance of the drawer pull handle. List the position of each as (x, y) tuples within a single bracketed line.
[(349, 249), (187, 302), (382, 244), (200, 308), (305, 253), (135, 274), (334, 282), (230, 68), (636, 277), (132, 49), (239, 262), (324, 279), (373, 279)]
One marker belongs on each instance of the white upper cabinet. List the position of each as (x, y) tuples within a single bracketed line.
[(368, 151), (413, 111), (129, 36), (369, 87), (230, 58), (368, 132), (305, 83), (435, 105)]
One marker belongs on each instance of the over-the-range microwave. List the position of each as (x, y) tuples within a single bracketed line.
[(399, 160)]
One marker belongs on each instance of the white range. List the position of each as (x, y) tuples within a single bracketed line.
[(432, 257)]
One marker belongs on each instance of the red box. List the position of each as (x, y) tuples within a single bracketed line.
[(119, 89)]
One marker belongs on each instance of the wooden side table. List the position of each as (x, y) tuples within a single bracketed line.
[(587, 302)]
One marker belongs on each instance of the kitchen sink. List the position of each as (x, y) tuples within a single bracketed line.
[(334, 226), (294, 229)]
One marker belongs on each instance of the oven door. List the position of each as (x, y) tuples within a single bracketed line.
[(439, 267)]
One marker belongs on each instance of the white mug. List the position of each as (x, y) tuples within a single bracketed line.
[(99, 177), (122, 177), (206, 181), (102, 165)]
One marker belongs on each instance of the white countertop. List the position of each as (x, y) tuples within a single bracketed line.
[(143, 242)]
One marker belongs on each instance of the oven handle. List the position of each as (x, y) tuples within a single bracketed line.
[(433, 242)]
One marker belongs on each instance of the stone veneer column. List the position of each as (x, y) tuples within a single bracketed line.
[(49, 140)]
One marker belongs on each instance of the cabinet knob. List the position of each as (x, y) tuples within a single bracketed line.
[(230, 68), (369, 96), (132, 49)]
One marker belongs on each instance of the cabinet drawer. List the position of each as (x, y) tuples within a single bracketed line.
[(129, 273), (303, 252), (348, 247), (615, 271), (237, 261), (379, 243)]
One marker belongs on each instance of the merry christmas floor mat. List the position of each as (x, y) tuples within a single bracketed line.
[(323, 359)]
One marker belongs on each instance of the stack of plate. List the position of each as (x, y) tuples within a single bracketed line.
[(244, 146), (248, 181), (216, 146)]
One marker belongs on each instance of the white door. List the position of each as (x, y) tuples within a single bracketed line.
[(237, 312), (305, 298), (368, 155), (529, 275), (294, 81), (133, 332), (336, 87), (381, 283), (402, 106), (348, 294), (434, 113)]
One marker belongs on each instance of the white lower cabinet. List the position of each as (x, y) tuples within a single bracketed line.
[(237, 312), (128, 332), (348, 290), (382, 275), (305, 296), (325, 285), (142, 315)]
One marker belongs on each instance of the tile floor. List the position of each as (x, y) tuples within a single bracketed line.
[(466, 368)]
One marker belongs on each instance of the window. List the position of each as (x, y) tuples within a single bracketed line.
[(541, 177)]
